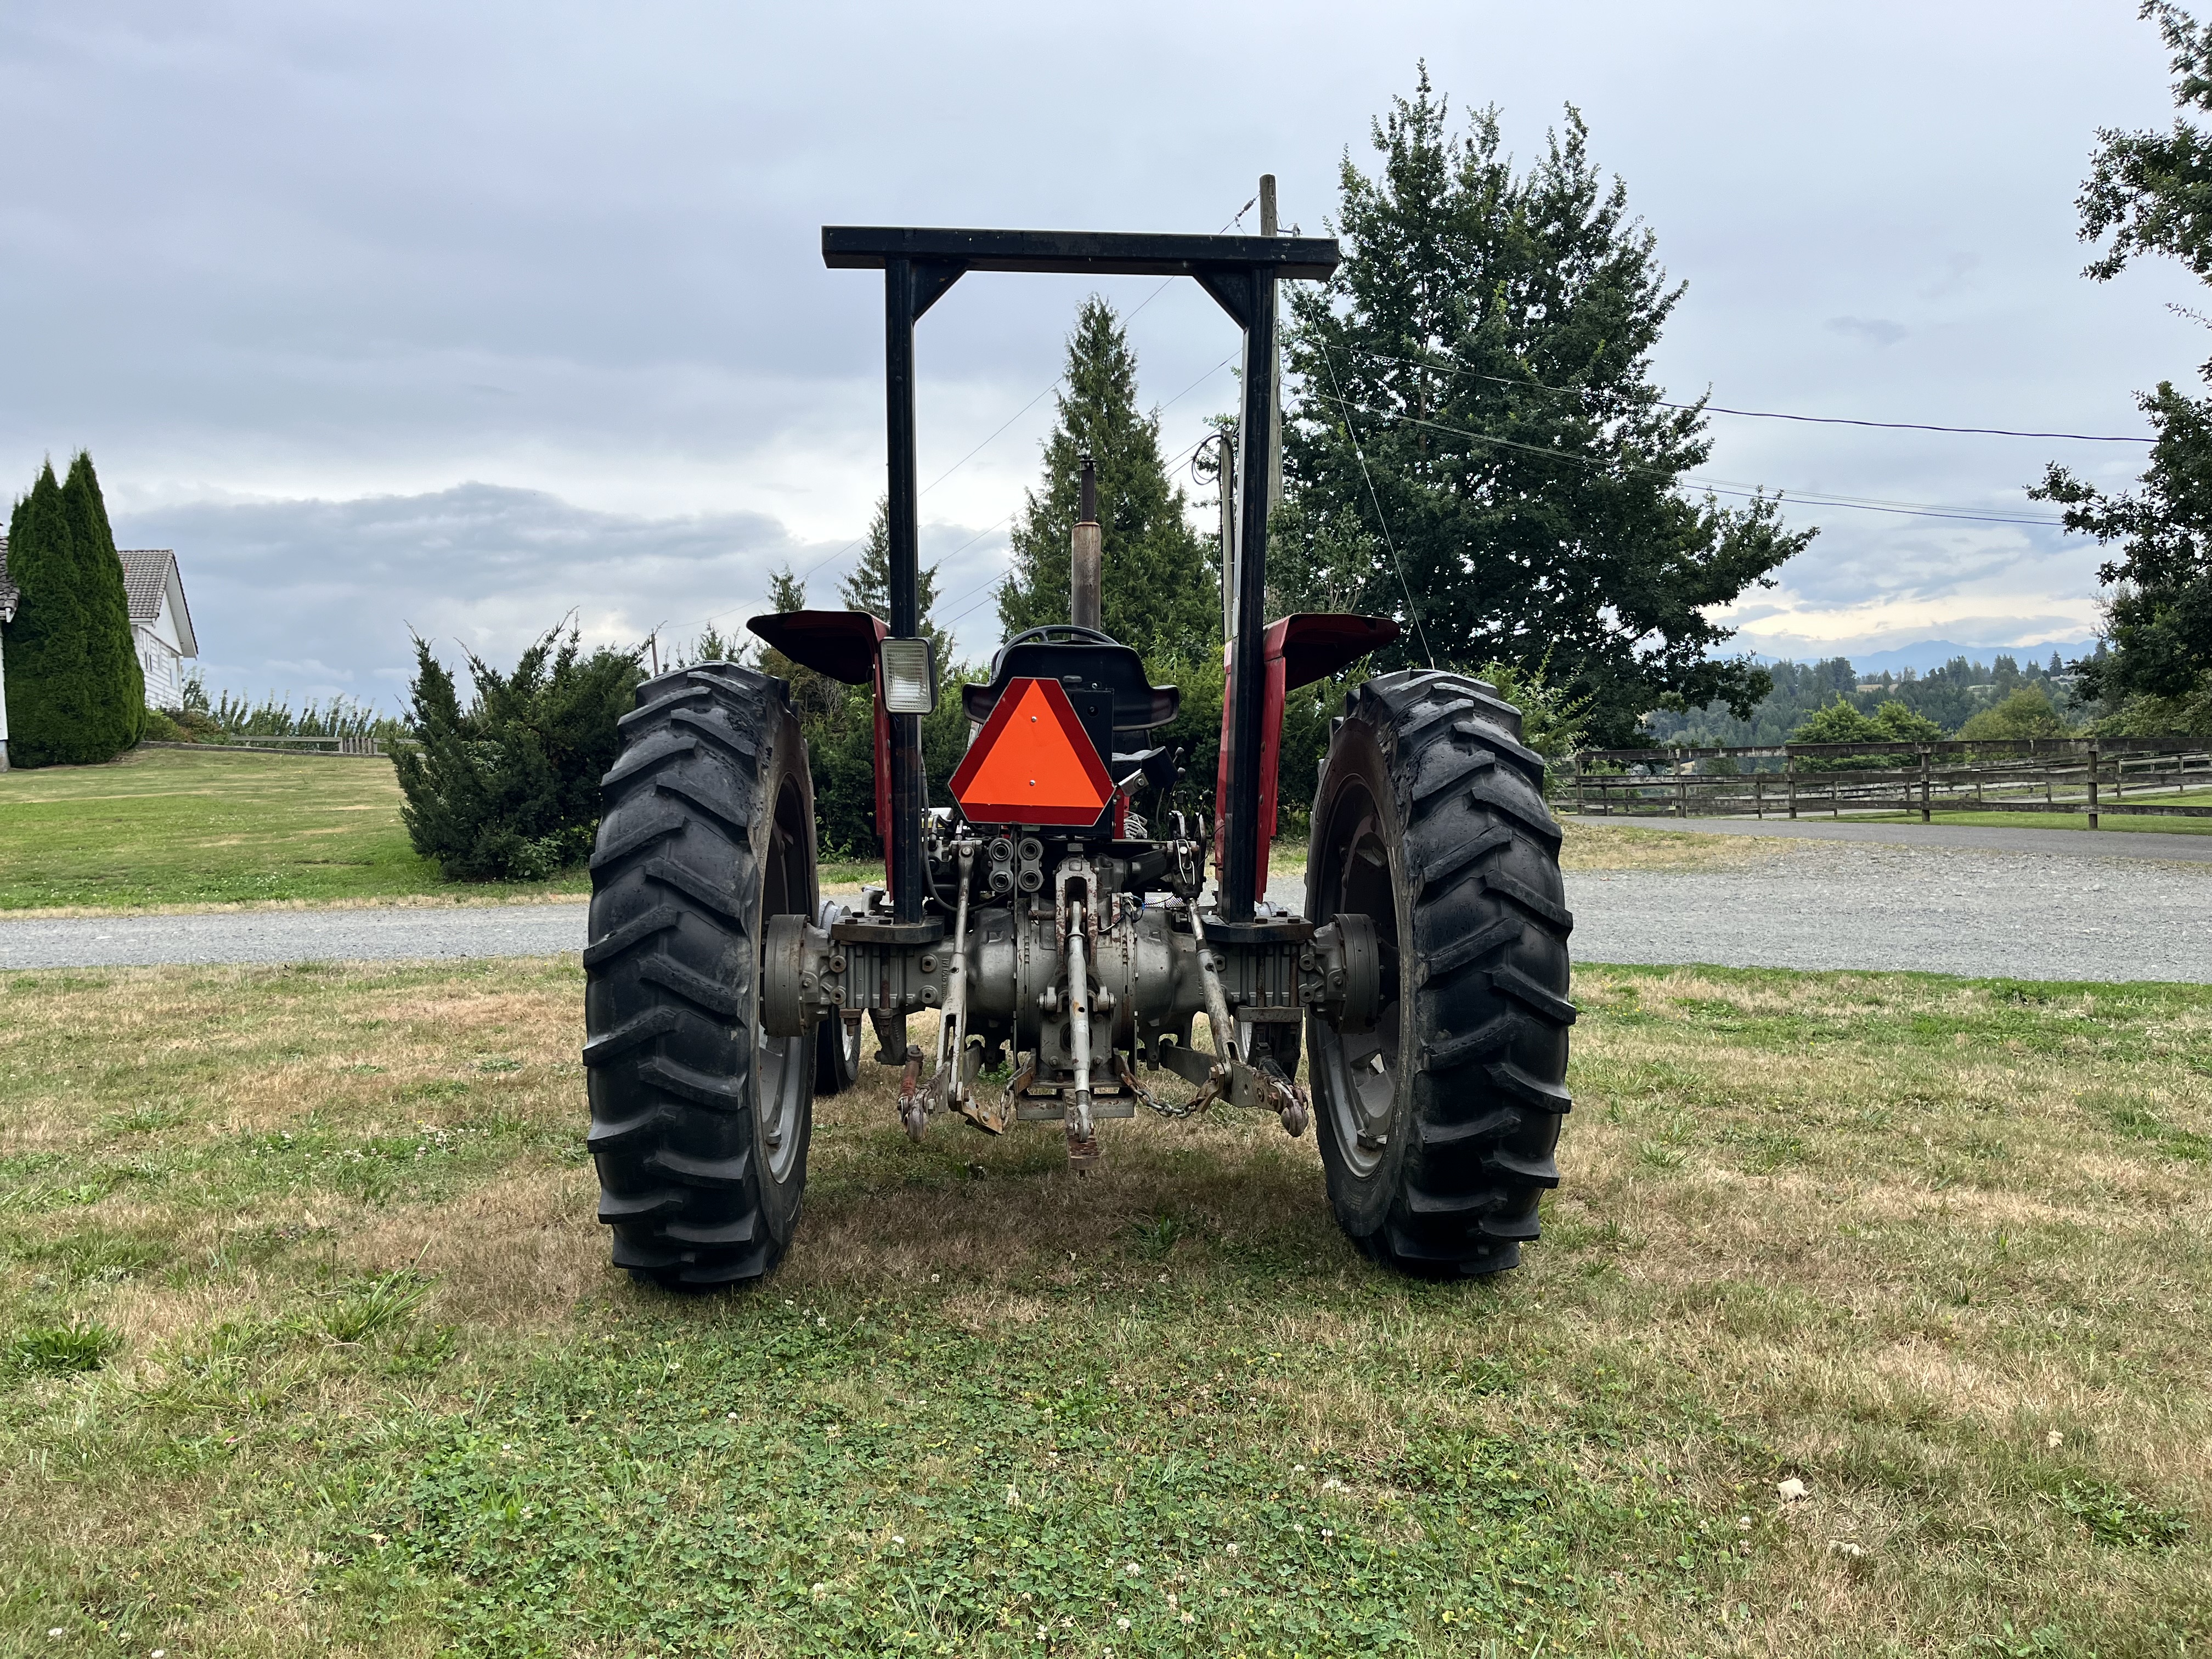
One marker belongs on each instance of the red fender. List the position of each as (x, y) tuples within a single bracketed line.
[(1300, 649), (842, 644)]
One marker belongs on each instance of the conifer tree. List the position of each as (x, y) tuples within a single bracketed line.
[(1478, 399), (869, 587), (1160, 592), (50, 705), (116, 680)]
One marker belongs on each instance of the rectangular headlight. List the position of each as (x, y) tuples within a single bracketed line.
[(910, 677)]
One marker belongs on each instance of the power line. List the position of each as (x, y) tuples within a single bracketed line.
[(1459, 368), (1001, 576), (1718, 486), (1350, 431)]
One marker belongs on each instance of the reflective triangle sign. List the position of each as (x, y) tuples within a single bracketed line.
[(1032, 763)]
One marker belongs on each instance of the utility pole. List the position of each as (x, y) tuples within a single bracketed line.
[(1269, 226)]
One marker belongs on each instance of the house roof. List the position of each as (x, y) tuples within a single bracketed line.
[(150, 573)]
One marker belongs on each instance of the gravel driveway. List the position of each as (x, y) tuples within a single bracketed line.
[(1825, 903)]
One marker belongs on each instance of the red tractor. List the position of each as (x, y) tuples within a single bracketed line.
[(1048, 922)]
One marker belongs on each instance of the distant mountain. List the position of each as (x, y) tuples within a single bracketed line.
[(1934, 653)]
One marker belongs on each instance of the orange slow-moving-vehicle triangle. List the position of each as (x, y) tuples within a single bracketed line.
[(1032, 763)]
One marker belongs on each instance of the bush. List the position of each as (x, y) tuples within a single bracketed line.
[(2026, 713), (508, 788), (160, 728), (2146, 716), (1841, 723)]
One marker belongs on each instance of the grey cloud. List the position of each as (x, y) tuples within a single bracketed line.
[(1876, 331), (320, 597)]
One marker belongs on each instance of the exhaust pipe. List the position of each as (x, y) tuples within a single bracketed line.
[(1086, 554)]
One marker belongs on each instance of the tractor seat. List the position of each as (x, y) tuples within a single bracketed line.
[(1082, 660)]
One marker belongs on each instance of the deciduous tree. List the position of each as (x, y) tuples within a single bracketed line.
[(2151, 193)]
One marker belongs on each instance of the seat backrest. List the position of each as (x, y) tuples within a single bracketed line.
[(1137, 705)]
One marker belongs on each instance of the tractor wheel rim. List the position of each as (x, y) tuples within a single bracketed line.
[(1361, 1076), (781, 1064)]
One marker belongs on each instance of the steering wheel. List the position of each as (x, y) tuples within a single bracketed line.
[(1078, 635)]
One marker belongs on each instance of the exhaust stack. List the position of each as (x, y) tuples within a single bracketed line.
[(1085, 553)]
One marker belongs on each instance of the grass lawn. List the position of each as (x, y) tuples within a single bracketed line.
[(175, 829), (2157, 824), (312, 1346), (165, 828)]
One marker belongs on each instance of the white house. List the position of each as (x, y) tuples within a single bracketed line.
[(160, 625)]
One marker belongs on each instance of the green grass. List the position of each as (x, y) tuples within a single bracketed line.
[(2054, 820), (167, 827), (311, 1345)]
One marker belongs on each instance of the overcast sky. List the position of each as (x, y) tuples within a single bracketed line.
[(462, 317)]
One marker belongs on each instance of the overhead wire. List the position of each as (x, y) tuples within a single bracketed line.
[(1733, 487), (1459, 368), (1404, 586)]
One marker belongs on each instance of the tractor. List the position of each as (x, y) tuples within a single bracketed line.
[(1069, 922)]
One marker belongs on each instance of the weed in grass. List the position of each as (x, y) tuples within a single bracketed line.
[(82, 1345), (381, 1303), (2114, 1516), (422, 1352), (2135, 1121), (1157, 1236), (94, 1253), (144, 1120)]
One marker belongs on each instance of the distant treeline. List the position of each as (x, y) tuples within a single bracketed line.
[(1950, 695)]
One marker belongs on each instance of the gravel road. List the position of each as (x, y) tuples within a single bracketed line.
[(1948, 910), (487, 930), (1844, 904), (2163, 846)]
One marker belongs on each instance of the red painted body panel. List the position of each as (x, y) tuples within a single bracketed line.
[(1302, 648), (842, 644)]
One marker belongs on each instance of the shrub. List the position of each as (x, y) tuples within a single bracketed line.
[(507, 788), (1841, 723), (2026, 713)]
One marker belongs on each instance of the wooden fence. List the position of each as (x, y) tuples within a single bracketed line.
[(2079, 776), (290, 745)]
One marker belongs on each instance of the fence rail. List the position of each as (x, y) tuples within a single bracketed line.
[(293, 746), (2072, 775)]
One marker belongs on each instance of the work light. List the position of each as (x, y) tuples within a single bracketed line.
[(910, 677)]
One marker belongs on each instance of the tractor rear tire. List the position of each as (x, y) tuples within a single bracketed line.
[(700, 1124), (1436, 1127)]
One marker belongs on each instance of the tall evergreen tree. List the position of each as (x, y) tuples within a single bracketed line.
[(1479, 429), (869, 587), (116, 678), (54, 707), (1160, 594)]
